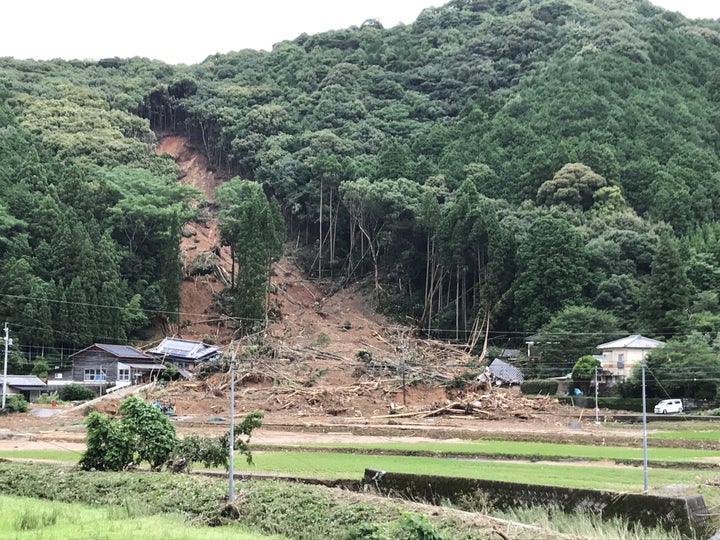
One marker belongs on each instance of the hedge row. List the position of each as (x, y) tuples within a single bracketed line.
[(613, 403), (539, 386)]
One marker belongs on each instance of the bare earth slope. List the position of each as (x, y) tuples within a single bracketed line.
[(326, 360)]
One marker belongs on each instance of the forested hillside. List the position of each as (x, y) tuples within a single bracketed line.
[(546, 168)]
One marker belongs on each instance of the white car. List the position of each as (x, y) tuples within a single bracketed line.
[(667, 406)]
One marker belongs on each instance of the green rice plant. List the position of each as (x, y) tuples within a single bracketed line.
[(528, 450), (36, 518), (335, 465), (24, 518)]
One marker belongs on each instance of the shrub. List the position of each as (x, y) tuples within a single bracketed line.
[(460, 381), (714, 412), (15, 403), (539, 386), (108, 445), (413, 526), (206, 369), (322, 340), (150, 431), (77, 392), (614, 403), (364, 355), (40, 368), (47, 399), (170, 373)]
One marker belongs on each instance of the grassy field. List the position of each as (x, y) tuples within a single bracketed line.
[(337, 465), (461, 459), (488, 449), (34, 519), (527, 449)]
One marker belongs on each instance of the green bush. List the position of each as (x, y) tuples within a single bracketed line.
[(460, 381), (714, 412), (47, 399), (364, 355), (539, 386), (614, 403), (15, 403), (77, 392)]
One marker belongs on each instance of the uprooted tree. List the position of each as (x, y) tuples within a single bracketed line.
[(144, 433)]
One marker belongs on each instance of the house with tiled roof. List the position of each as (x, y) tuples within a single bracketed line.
[(28, 386), (100, 366), (185, 354), (620, 356)]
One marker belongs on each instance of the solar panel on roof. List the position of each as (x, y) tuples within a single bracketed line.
[(122, 350)]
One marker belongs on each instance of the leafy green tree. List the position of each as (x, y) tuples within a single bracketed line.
[(76, 392), (584, 371), (150, 431), (251, 225), (16, 403), (685, 367), (109, 445), (552, 270), (147, 221), (619, 295), (40, 368), (665, 296), (574, 185), (573, 332), (393, 160), (381, 211)]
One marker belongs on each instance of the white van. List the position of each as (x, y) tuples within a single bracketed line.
[(667, 406)]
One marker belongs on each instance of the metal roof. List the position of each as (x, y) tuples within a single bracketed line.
[(120, 351), (123, 351), (505, 372), (24, 382), (636, 341), (144, 367), (184, 348)]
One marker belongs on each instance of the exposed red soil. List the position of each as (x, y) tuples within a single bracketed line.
[(314, 376)]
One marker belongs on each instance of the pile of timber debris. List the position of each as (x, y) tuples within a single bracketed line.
[(492, 405)]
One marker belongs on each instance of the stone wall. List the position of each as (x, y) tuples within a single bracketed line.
[(687, 514)]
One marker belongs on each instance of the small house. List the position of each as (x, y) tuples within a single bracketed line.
[(101, 366), (621, 355), (185, 354), (28, 386)]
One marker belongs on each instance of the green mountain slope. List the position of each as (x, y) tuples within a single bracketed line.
[(501, 163)]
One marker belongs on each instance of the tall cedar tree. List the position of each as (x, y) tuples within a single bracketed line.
[(250, 224)]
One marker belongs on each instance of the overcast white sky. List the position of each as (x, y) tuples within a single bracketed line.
[(182, 32)]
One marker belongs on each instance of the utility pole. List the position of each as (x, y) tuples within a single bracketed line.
[(403, 369), (644, 432), (231, 487), (7, 344), (597, 411)]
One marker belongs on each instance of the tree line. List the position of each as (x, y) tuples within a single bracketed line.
[(500, 169)]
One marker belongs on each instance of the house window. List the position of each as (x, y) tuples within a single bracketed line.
[(94, 375), (621, 361), (123, 374), (58, 375)]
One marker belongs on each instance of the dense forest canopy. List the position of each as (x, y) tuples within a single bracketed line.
[(492, 165)]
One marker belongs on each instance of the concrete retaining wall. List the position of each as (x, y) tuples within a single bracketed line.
[(687, 514)]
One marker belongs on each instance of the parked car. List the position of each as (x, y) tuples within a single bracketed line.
[(668, 406)]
